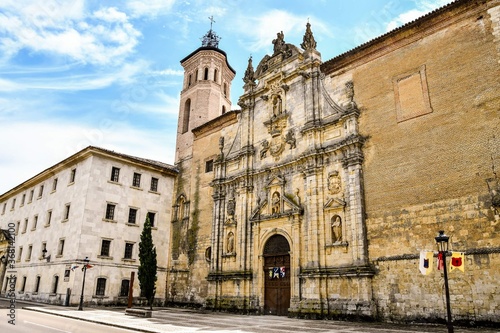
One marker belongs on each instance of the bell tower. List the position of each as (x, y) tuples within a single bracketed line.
[(205, 93)]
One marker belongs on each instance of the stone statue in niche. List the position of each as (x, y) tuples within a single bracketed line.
[(334, 183), (265, 148), (349, 91), (230, 211), (277, 106), (230, 242), (275, 208), (290, 139), (336, 226)]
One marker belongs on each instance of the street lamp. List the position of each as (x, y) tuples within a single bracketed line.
[(85, 263), (442, 243)]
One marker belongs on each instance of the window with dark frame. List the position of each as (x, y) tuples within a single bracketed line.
[(110, 211), (37, 284), (32, 193), (124, 288), (129, 247), (24, 284), (209, 166), (66, 212), (151, 217), (154, 184), (136, 182), (115, 174), (60, 249), (49, 217), (72, 176), (105, 246), (55, 284), (40, 193), (100, 287), (132, 215), (54, 184), (23, 199)]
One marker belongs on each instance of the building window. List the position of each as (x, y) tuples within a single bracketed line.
[(35, 222), (4, 207), (154, 184), (23, 285), (100, 287), (223, 109), (18, 226), (54, 184), (110, 211), (23, 199), (215, 75), (189, 80), (43, 250), (55, 282), (151, 217), (72, 176), (187, 111), (25, 227), (49, 218), (136, 182), (124, 288), (105, 246), (37, 284), (19, 256), (132, 215), (115, 174), (205, 77), (129, 247), (28, 255), (60, 248), (66, 212), (13, 204), (209, 166), (32, 193), (225, 89), (40, 193)]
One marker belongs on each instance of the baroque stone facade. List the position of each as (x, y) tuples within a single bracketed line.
[(316, 197)]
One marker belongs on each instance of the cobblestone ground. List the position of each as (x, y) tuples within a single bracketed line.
[(186, 321)]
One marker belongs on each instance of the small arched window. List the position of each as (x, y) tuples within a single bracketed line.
[(185, 121), (225, 89), (205, 77), (196, 76), (189, 80), (223, 109), (215, 75)]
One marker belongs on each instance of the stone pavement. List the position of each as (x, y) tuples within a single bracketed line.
[(195, 321)]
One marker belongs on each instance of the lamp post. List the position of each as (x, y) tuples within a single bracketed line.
[(442, 243), (85, 263)]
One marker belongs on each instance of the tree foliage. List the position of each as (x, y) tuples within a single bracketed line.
[(147, 264)]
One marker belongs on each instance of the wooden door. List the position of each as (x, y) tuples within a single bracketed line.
[(277, 276)]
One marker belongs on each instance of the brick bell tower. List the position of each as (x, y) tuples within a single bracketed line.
[(206, 91)]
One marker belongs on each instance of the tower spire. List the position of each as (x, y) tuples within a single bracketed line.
[(210, 39)]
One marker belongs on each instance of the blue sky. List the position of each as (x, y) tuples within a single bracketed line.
[(106, 73)]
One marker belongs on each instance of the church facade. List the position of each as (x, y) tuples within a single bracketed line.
[(315, 198)]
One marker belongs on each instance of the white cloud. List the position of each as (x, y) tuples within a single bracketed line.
[(46, 143), (422, 7), (66, 28), (151, 8), (262, 30)]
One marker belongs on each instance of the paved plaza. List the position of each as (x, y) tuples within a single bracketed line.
[(188, 320)]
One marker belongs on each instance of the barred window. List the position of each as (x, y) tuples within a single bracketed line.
[(154, 184), (110, 211), (129, 247), (132, 215), (100, 287), (115, 174), (137, 180)]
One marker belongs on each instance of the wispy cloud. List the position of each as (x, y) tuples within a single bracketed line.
[(151, 8), (42, 140), (101, 37)]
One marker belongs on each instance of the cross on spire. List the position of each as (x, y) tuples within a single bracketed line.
[(211, 18), (210, 39)]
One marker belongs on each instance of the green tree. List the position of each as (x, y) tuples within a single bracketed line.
[(147, 264)]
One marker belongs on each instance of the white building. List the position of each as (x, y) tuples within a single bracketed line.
[(92, 204)]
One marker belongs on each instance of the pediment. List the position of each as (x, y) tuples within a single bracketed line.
[(334, 203)]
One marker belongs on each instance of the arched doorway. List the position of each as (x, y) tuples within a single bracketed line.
[(277, 276)]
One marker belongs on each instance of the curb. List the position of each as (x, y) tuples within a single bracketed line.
[(89, 320)]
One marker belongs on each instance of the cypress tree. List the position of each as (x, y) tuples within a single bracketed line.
[(147, 264)]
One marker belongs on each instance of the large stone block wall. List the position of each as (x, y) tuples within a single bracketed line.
[(401, 293)]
